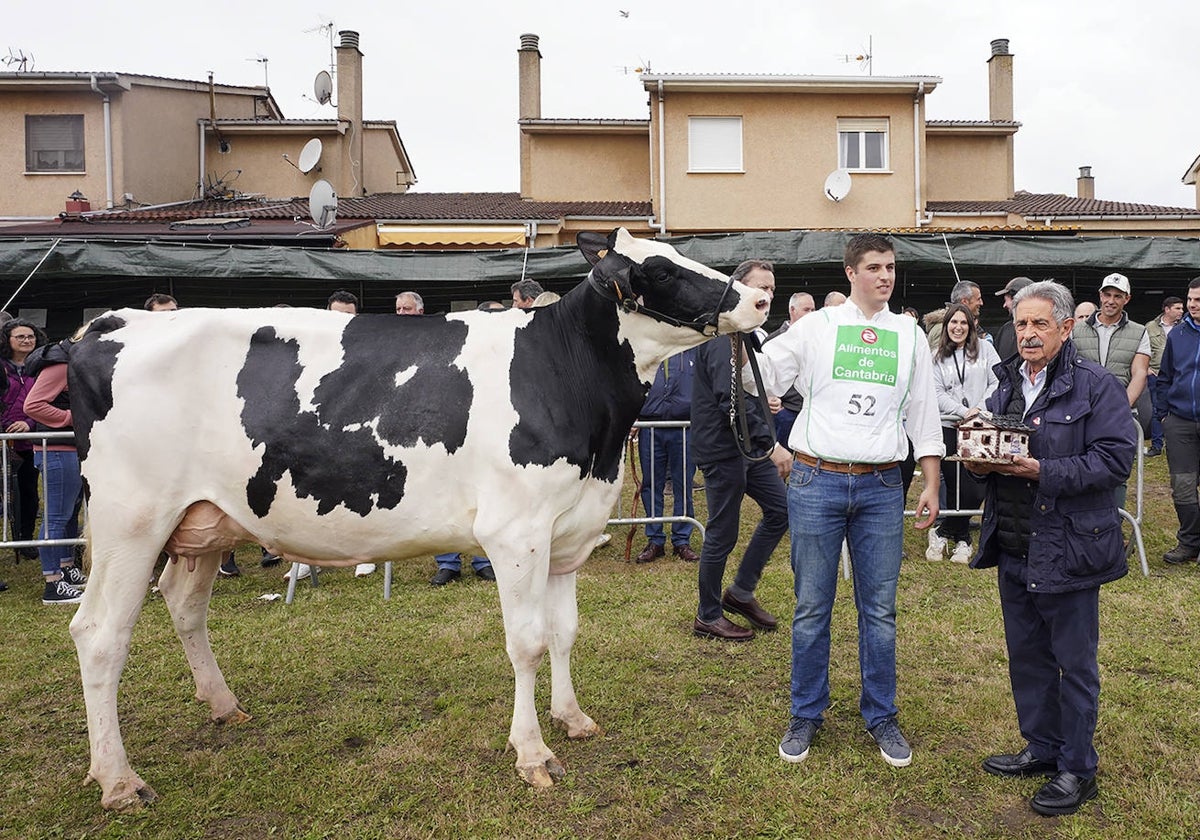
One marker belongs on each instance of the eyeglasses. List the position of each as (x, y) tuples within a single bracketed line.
[(25, 337)]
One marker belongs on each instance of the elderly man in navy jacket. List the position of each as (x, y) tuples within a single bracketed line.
[(663, 453), (1050, 525)]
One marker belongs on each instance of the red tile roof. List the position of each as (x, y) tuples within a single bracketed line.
[(1057, 204), (400, 206)]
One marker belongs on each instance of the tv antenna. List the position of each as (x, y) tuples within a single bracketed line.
[(863, 58), (327, 28), (23, 62), (262, 59)]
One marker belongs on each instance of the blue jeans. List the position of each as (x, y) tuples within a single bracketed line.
[(868, 510), (64, 489), (662, 453), (453, 562), (1156, 429)]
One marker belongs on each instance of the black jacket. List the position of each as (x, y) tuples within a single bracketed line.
[(712, 438)]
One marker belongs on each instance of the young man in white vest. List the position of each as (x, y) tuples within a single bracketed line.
[(866, 376)]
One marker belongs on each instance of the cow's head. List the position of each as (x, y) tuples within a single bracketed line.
[(653, 279)]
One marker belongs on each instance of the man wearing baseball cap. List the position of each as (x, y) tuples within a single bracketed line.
[(1005, 340), (1120, 345)]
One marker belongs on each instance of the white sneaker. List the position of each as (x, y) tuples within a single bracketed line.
[(937, 546), (303, 570), (961, 553), (364, 569)]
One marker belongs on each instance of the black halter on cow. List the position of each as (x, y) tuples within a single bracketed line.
[(498, 434)]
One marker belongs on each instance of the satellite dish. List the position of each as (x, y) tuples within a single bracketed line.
[(837, 185), (323, 87), (322, 204), (309, 155)]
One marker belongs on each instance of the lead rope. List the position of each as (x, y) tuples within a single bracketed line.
[(737, 398)]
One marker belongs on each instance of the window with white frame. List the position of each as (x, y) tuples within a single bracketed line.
[(714, 144), (863, 144), (54, 143)]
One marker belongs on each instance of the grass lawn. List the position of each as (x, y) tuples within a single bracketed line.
[(378, 719)]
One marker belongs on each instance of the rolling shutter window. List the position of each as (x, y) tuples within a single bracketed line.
[(715, 144), (54, 143)]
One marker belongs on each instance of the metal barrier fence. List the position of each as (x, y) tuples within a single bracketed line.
[(8, 501)]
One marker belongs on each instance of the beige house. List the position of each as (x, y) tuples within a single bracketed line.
[(743, 153), (124, 141)]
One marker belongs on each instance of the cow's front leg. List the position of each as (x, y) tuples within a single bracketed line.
[(187, 594), (562, 619), (522, 590)]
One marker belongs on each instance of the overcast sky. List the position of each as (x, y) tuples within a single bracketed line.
[(1105, 83)]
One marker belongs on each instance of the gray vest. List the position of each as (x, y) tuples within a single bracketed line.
[(1121, 348)]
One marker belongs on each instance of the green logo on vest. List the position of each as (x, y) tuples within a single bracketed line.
[(866, 354)]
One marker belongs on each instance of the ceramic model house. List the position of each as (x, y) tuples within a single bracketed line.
[(991, 437)]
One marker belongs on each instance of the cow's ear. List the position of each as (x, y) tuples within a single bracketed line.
[(594, 246)]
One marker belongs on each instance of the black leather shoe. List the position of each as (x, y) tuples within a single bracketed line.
[(485, 573), (444, 576), (3, 586), (750, 610), (722, 629), (1179, 555), (1021, 764), (1064, 794)]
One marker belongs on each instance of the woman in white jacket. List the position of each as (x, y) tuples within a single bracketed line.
[(964, 379)]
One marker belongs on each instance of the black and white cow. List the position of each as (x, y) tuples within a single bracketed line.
[(336, 439)]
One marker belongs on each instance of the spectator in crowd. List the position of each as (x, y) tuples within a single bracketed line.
[(49, 406), (833, 299), (867, 380), (911, 312), (1120, 345), (1177, 406), (729, 476), (799, 305), (343, 301), (18, 339), (525, 292), (449, 565), (409, 303), (159, 302), (964, 379), (1084, 310), (1052, 529), (663, 454), (1158, 330), (490, 306), (966, 293), (1006, 338)]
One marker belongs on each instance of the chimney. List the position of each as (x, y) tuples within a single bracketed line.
[(1000, 82), (1085, 185), (78, 203), (529, 64), (350, 109), (529, 102)]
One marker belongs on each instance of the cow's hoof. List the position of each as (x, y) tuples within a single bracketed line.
[(127, 796), (579, 728), (233, 717), (543, 775)]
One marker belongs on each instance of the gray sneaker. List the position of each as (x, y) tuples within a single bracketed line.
[(892, 744), (796, 741)]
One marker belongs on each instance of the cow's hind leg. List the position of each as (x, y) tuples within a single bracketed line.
[(101, 628), (521, 594), (562, 619), (187, 593)]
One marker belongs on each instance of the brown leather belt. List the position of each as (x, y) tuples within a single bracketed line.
[(839, 467)]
